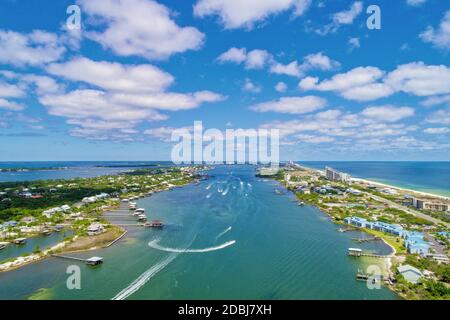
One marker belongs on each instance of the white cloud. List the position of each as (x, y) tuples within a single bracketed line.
[(439, 37), (34, 49), (114, 76), (387, 113), (420, 79), (314, 139), (348, 16), (319, 61), (291, 105), (235, 55), (11, 90), (440, 117), (292, 69), (139, 28), (345, 17), (8, 105), (281, 87), (249, 86), (354, 43), (371, 83), (436, 100), (443, 130), (257, 59), (43, 84), (415, 3), (245, 14)]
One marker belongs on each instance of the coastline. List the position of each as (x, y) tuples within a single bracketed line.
[(78, 243)]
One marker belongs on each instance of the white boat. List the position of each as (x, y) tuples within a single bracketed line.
[(140, 210), (142, 217), (3, 245)]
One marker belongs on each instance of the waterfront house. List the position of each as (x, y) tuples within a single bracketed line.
[(439, 258), (415, 243), (95, 229), (411, 274)]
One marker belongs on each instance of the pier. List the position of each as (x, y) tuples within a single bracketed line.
[(354, 252), (362, 240), (93, 261)]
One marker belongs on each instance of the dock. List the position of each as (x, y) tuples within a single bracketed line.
[(93, 261), (355, 252), (362, 240)]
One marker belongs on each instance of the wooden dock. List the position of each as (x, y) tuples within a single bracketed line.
[(362, 240)]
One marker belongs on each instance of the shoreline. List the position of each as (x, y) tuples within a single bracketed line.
[(382, 184), (20, 261)]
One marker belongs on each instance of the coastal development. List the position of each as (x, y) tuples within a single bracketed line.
[(76, 208), (414, 224)]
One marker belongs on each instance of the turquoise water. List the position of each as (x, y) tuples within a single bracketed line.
[(42, 242), (230, 237), (66, 169), (432, 177)]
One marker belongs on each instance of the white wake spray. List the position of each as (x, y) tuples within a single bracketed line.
[(154, 244), (144, 278), (223, 232)]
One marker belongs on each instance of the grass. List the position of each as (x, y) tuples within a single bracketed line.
[(395, 242)]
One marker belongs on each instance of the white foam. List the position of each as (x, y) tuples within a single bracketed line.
[(226, 191), (154, 244), (144, 278), (223, 232), (208, 196)]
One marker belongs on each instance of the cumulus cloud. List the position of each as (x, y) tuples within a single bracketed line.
[(439, 37), (440, 117), (291, 105), (34, 49), (139, 28), (9, 105), (245, 14), (114, 76), (254, 59), (436, 100), (420, 79), (371, 83), (281, 87), (348, 16), (249, 86), (443, 130), (292, 69), (387, 113)]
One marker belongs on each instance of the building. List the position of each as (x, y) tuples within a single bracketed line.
[(358, 222), (416, 244), (267, 172), (334, 175), (439, 258), (411, 274), (95, 229), (432, 206)]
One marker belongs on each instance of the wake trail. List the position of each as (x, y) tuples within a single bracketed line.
[(154, 244), (223, 232), (144, 278)]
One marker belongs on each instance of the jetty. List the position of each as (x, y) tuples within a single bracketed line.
[(93, 261), (355, 252), (362, 240)]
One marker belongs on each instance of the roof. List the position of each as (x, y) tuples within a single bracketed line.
[(407, 267), (94, 259)]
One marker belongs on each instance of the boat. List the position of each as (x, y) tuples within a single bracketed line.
[(154, 224), (3, 245), (142, 217), (301, 204), (140, 210), (46, 232), (20, 241)]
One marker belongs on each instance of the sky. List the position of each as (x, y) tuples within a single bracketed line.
[(135, 70)]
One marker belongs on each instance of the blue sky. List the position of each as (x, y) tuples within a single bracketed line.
[(137, 69)]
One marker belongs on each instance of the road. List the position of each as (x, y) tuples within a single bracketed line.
[(416, 213)]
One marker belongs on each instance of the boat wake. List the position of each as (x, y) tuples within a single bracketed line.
[(209, 195), (144, 278), (154, 244), (226, 191), (223, 232)]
